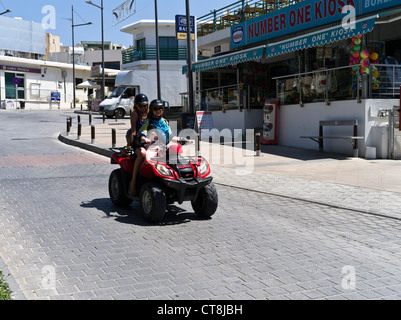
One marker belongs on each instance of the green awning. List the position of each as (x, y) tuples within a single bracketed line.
[(226, 60)]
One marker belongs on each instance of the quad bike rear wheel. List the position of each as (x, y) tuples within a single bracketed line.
[(116, 189)]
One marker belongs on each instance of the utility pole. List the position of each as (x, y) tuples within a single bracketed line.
[(189, 62), (157, 53)]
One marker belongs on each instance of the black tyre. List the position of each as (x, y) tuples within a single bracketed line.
[(153, 202), (205, 205), (116, 189), (119, 113)]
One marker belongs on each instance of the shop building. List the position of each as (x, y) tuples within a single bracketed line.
[(320, 60)]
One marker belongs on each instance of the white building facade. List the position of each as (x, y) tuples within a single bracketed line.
[(141, 60)]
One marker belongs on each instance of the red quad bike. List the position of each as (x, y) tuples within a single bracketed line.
[(166, 178)]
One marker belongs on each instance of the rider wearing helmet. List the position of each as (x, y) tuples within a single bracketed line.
[(138, 117), (156, 121), (141, 110)]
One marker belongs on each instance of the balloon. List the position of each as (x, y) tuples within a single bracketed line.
[(374, 56), (357, 41), (375, 74), (364, 54), (355, 68), (356, 54), (365, 63), (359, 36), (357, 48)]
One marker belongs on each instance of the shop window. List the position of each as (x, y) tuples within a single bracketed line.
[(15, 85)]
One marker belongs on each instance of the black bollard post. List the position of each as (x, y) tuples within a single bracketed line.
[(113, 138), (68, 126), (92, 134), (258, 145), (79, 130)]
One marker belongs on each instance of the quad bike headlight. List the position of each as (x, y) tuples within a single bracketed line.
[(203, 168), (163, 170)]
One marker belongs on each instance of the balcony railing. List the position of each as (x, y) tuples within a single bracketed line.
[(237, 12), (149, 53)]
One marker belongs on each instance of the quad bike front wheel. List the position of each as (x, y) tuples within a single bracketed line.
[(116, 189), (153, 202), (205, 204)]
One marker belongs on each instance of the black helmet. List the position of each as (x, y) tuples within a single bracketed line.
[(156, 103), (141, 99)]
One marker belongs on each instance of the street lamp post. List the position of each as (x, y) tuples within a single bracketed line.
[(103, 76), (73, 52), (7, 11)]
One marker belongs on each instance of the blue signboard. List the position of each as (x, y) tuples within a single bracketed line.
[(55, 96), (181, 27), (302, 16)]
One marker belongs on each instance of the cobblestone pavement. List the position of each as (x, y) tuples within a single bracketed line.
[(62, 238)]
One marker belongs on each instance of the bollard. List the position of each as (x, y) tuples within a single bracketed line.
[(70, 122), (113, 138), (258, 145), (79, 130), (198, 144), (92, 134), (90, 119), (79, 119), (104, 117), (68, 126)]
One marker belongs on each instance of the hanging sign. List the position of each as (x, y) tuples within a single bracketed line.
[(181, 27)]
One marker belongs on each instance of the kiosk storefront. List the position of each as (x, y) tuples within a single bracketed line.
[(330, 71)]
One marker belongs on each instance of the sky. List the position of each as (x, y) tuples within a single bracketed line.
[(57, 15)]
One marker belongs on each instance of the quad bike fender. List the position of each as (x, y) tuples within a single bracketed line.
[(126, 163)]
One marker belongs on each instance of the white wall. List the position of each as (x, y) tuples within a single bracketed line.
[(295, 121)]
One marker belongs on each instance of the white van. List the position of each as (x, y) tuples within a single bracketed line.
[(119, 103)]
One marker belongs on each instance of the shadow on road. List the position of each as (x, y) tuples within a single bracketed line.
[(132, 215)]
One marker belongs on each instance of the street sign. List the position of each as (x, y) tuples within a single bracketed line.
[(16, 81), (181, 27), (55, 96)]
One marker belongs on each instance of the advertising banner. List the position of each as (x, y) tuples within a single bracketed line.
[(302, 16)]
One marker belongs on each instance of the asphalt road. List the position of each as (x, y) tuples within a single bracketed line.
[(62, 238)]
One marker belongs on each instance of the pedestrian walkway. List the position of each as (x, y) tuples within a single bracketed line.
[(367, 186)]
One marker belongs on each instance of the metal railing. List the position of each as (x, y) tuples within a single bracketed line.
[(384, 80), (342, 83), (237, 12), (149, 53), (231, 97)]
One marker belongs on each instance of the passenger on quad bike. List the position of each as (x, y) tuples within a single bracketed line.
[(166, 175), (138, 117), (155, 121)]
